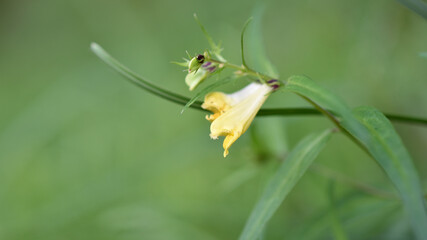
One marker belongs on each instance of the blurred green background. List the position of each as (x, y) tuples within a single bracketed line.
[(86, 155)]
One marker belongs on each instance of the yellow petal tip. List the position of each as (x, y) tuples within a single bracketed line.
[(225, 153)]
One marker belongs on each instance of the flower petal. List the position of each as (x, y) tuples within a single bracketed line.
[(234, 113), (193, 79), (217, 103)]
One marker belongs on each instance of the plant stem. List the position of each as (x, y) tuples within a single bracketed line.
[(241, 43), (296, 111), (182, 100), (243, 70)]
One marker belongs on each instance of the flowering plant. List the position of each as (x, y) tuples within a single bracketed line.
[(232, 115)]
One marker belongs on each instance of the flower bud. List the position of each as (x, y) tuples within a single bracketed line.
[(195, 63)]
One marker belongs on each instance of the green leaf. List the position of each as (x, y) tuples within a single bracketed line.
[(292, 169), (374, 133), (417, 6), (255, 44), (139, 81), (171, 96), (386, 147), (304, 86)]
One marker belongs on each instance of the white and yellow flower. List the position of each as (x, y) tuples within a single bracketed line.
[(233, 113)]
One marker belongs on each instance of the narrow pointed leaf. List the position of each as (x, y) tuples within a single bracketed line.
[(304, 86), (374, 133), (171, 96), (137, 80), (386, 147), (292, 169)]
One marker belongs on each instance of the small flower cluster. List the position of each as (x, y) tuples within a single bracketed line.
[(232, 113), (199, 69)]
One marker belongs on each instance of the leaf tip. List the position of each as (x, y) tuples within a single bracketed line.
[(94, 46)]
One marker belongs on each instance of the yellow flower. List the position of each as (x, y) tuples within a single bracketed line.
[(233, 113)]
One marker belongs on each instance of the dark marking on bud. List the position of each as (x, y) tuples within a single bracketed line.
[(275, 86), (211, 69), (272, 81), (200, 58), (206, 64)]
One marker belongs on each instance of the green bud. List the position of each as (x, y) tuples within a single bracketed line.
[(193, 79), (195, 63)]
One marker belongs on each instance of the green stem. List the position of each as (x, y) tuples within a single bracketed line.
[(241, 43), (182, 100), (139, 81), (243, 70), (285, 111), (337, 123)]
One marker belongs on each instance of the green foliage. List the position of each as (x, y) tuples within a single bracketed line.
[(385, 145), (327, 101), (84, 155), (418, 6), (137, 80), (372, 131), (291, 170)]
